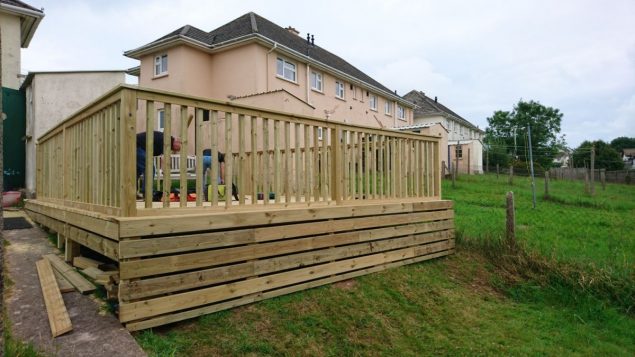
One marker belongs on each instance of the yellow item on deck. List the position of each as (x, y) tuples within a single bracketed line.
[(221, 192)]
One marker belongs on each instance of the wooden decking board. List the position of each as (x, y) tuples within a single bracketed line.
[(173, 263), (83, 263), (151, 307), (184, 264), (58, 316), (64, 285), (100, 224), (183, 243), (73, 277), (141, 226), (180, 316), (100, 244), (178, 282)]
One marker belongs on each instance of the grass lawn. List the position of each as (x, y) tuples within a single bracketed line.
[(486, 299)]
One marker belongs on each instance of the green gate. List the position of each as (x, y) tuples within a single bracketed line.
[(13, 104)]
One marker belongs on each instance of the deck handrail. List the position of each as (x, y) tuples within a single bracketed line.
[(274, 158)]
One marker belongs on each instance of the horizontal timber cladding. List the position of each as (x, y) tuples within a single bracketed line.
[(175, 276), (99, 244), (156, 225), (90, 221)]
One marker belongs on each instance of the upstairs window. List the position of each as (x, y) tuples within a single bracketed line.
[(388, 108), (316, 81), (339, 89), (160, 65), (401, 112), (373, 102), (286, 69), (160, 119)]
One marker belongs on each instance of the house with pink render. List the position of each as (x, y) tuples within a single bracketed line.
[(253, 61)]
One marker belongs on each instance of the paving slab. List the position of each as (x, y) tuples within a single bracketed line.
[(95, 332)]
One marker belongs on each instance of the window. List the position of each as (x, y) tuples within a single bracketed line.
[(459, 151), (339, 89), (160, 119), (401, 112), (160, 65), (319, 133), (373, 102), (388, 108), (316, 81), (285, 69)]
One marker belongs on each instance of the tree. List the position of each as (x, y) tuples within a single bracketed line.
[(622, 143), (509, 130), (605, 156), (496, 152)]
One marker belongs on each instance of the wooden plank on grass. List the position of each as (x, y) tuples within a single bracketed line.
[(83, 263), (92, 272), (64, 285), (58, 316), (83, 286)]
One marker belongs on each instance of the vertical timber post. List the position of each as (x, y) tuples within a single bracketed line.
[(497, 171), (511, 174), (468, 161), (511, 219), (603, 178), (531, 165), (546, 184), (593, 170)]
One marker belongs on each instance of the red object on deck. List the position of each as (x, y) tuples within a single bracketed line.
[(10, 198)]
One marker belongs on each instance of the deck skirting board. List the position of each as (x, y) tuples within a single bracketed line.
[(175, 267)]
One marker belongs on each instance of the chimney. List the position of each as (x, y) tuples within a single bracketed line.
[(312, 40), (435, 98), (293, 30)]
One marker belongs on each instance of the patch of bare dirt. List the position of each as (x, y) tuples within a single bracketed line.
[(349, 284)]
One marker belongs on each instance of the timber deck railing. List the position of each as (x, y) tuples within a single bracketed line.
[(274, 159)]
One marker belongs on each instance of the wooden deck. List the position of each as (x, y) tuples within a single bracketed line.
[(354, 208)]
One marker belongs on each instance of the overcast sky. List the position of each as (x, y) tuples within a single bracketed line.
[(475, 56)]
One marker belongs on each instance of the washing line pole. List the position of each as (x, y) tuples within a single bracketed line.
[(531, 162)]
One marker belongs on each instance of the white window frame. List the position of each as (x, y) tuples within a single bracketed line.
[(388, 108), (160, 116), (161, 66), (340, 91), (318, 80), (372, 102), (401, 112), (287, 67), (320, 131)]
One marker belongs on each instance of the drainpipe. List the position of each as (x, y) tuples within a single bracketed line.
[(308, 79), (275, 45)]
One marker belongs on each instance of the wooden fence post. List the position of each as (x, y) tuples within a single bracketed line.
[(453, 173), (511, 219), (587, 189), (497, 171), (592, 170), (511, 175), (468, 161), (442, 169), (456, 160), (546, 183), (603, 178)]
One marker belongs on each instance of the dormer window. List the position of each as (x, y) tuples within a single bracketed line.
[(161, 65)]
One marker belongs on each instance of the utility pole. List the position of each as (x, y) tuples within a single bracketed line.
[(531, 165), (593, 170)]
